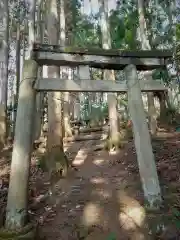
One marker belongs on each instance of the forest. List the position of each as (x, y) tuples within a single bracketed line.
[(89, 120)]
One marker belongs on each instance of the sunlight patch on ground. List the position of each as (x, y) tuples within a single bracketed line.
[(4, 171), (132, 218), (98, 180), (80, 157), (98, 161), (92, 214), (103, 193), (113, 152), (132, 214), (104, 136)]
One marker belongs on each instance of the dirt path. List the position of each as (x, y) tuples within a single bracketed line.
[(104, 197)]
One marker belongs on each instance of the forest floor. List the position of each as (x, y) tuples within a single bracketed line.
[(102, 199)]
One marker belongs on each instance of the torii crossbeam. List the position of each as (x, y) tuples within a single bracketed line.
[(100, 58)]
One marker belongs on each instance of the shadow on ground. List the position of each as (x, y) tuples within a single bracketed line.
[(104, 197)]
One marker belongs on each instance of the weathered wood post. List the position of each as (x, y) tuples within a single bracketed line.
[(145, 157), (16, 215)]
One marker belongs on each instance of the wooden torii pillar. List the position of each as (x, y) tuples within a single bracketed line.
[(144, 151), (17, 204), (53, 55)]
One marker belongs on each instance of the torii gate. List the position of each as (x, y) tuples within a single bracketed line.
[(130, 61)]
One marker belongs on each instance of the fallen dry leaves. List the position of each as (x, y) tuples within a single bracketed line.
[(59, 216)]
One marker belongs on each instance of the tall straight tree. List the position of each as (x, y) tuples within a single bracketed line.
[(55, 123), (39, 96), (150, 181), (18, 52), (145, 45), (70, 25), (64, 21), (31, 28), (109, 75), (4, 54)]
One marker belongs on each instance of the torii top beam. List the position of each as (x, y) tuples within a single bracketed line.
[(56, 55)]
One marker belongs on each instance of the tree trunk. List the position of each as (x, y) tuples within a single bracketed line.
[(77, 110), (6, 50), (66, 73), (109, 75), (56, 156), (152, 114), (16, 212), (66, 21), (40, 95), (146, 46), (71, 106), (4, 56), (67, 126), (162, 102), (31, 27), (18, 69)]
